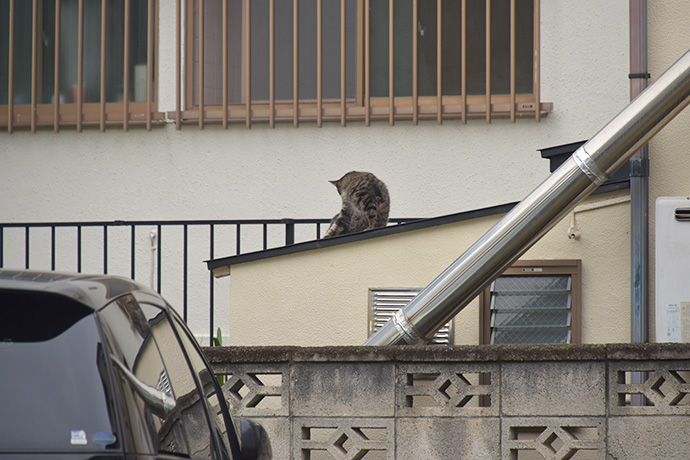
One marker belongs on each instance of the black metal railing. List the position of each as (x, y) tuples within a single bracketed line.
[(170, 253)]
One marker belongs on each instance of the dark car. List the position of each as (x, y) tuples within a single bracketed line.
[(99, 367)]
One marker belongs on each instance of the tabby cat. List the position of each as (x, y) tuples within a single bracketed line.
[(365, 204)]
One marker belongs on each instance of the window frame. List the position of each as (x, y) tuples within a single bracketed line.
[(535, 268), (81, 113), (364, 107)]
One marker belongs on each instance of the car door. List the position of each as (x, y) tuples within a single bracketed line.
[(199, 394), (219, 413), (160, 398)]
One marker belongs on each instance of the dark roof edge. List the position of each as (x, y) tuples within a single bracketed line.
[(384, 231), (561, 149)]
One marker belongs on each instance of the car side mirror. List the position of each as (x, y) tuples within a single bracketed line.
[(251, 436)]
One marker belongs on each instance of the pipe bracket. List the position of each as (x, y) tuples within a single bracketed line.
[(405, 328), (589, 167)]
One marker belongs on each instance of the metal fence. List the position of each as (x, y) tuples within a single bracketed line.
[(168, 255)]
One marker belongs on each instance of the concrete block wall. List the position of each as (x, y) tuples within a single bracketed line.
[(475, 402)]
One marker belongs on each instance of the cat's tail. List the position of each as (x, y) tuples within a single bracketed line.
[(338, 224)]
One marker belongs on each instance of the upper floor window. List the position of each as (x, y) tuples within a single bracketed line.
[(342, 60), (77, 62)]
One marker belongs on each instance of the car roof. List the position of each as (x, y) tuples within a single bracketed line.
[(94, 291)]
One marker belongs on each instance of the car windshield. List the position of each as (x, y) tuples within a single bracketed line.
[(53, 380)]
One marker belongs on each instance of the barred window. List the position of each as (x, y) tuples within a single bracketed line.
[(77, 62), (533, 302), (342, 60)]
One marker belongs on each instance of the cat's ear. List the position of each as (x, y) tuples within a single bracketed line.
[(335, 182)]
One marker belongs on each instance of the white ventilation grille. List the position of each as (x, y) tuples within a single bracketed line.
[(386, 302)]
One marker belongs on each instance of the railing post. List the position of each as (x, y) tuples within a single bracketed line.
[(52, 248), (26, 247), (105, 249), (160, 257), (79, 249), (210, 292), (132, 251), (185, 270), (265, 235), (289, 231), (238, 238)]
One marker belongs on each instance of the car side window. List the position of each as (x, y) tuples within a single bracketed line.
[(219, 412), (189, 401), (151, 410)]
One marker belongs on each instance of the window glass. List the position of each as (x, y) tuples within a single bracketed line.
[(426, 30), (153, 428), (68, 51), (53, 371), (484, 41), (209, 384), (182, 380), (531, 309), (260, 51)]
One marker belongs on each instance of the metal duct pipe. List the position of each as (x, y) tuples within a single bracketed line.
[(579, 176)]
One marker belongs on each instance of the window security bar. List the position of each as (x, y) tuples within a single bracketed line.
[(78, 63), (81, 63), (356, 60)]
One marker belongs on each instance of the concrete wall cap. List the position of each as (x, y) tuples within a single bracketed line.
[(470, 353)]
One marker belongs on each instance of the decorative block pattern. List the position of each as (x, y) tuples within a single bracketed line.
[(553, 438), (465, 403), (258, 390), (343, 439), (664, 387), (447, 390)]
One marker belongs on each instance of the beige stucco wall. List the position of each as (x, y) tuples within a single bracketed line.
[(669, 151), (320, 297)]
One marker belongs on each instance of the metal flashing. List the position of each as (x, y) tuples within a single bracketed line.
[(220, 267)]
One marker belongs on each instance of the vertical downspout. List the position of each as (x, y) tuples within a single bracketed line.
[(639, 184)]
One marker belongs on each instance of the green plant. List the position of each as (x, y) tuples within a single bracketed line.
[(218, 339), (218, 342)]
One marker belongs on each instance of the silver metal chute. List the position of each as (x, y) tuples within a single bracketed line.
[(525, 224)]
